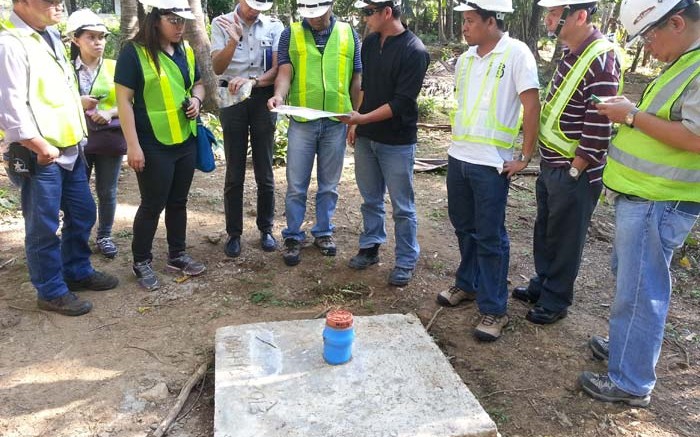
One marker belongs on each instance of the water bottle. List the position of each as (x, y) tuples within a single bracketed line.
[(338, 336)]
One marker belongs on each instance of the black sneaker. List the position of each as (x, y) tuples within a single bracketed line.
[(107, 247), (69, 305), (146, 276), (97, 282), (599, 347), (186, 265), (600, 387), (326, 245), (292, 251), (365, 258)]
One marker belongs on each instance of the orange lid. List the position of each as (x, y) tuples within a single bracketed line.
[(340, 319)]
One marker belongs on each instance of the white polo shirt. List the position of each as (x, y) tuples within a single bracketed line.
[(519, 72)]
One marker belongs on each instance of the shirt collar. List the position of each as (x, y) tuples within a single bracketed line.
[(500, 47), (305, 24)]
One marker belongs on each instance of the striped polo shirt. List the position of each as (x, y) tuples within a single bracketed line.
[(580, 120)]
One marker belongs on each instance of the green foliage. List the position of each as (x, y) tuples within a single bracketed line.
[(279, 155), (426, 106), (9, 201)]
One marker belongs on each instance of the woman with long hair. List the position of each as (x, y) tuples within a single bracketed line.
[(159, 95), (106, 145)]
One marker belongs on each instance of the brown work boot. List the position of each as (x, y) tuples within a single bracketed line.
[(454, 296), (69, 305), (490, 327)]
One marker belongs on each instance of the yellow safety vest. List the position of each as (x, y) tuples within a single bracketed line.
[(550, 133), (164, 93), (52, 89), (480, 123), (642, 166), (322, 81), (104, 85)]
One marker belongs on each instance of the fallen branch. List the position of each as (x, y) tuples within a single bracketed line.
[(103, 326), (432, 319), (430, 126), (152, 354), (180, 402), (322, 313), (8, 262)]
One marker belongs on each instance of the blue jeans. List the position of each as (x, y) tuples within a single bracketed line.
[(50, 259), (646, 233), (379, 167), (477, 196), (106, 178), (324, 140)]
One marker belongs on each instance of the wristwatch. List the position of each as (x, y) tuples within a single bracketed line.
[(254, 79), (574, 172), (524, 158), (629, 118)]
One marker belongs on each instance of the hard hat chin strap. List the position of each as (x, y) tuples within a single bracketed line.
[(562, 20)]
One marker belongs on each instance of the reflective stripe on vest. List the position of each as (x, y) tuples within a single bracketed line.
[(164, 93), (104, 85), (643, 166), (550, 133), (322, 81), (468, 124), (52, 89)]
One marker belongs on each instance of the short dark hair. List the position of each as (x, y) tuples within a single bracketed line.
[(590, 8), (74, 49), (395, 10), (485, 15), (692, 12)]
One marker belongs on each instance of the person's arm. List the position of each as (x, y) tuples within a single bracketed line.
[(282, 85), (671, 133), (223, 29), (531, 124), (268, 78), (125, 102)]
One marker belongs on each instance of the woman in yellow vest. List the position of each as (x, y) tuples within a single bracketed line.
[(106, 144), (159, 95)]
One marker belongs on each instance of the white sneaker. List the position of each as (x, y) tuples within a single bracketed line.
[(490, 327), (453, 296)]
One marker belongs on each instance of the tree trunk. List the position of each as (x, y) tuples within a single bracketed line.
[(128, 24), (441, 22), (450, 21), (196, 34), (532, 35)]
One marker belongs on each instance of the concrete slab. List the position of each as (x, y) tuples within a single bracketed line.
[(271, 381)]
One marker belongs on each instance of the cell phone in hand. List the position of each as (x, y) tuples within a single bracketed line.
[(99, 97), (596, 99)]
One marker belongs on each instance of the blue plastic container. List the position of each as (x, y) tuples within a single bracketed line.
[(338, 336)]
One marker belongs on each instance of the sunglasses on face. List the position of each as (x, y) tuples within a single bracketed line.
[(175, 21), (368, 12)]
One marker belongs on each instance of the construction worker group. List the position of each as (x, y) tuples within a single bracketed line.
[(63, 117)]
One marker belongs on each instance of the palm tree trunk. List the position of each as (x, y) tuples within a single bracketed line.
[(196, 34)]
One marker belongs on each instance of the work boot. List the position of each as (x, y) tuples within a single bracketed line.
[(68, 305), (326, 245), (599, 347), (600, 387), (365, 258), (454, 296), (400, 277), (292, 251), (490, 327), (98, 281)]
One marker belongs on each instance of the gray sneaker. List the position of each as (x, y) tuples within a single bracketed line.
[(186, 265), (454, 296), (145, 275), (600, 387), (599, 347)]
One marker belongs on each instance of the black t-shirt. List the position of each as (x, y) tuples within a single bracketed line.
[(128, 73), (393, 74)]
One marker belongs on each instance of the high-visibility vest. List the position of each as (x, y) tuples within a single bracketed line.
[(164, 91), (52, 89), (322, 81), (550, 133), (480, 123), (642, 166), (104, 85)]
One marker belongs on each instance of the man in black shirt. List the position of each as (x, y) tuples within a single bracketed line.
[(384, 134)]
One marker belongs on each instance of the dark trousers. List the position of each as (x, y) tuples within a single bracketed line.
[(238, 121), (164, 183), (564, 209)]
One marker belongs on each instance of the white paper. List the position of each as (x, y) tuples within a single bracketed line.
[(308, 113)]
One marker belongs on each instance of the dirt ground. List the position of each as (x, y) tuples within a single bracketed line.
[(116, 371)]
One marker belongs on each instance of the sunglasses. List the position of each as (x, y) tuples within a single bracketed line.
[(368, 12), (175, 21)]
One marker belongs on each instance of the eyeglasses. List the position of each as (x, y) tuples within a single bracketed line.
[(175, 21), (368, 12), (55, 3)]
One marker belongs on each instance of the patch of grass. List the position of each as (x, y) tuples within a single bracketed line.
[(260, 297), (124, 233), (438, 214), (498, 416), (9, 201)]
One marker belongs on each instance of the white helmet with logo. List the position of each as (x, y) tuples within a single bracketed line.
[(555, 3), (638, 16), (178, 7), (313, 8), (85, 19), (259, 5), (364, 3), (487, 5)]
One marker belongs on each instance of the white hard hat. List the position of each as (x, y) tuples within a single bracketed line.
[(178, 7), (85, 19), (313, 8), (487, 5), (554, 3), (259, 5), (364, 3), (638, 16)]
